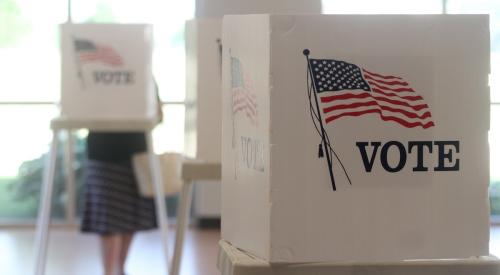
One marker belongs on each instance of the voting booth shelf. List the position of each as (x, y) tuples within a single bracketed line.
[(234, 261)]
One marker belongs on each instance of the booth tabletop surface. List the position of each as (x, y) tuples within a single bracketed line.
[(233, 261), (104, 125), (201, 170)]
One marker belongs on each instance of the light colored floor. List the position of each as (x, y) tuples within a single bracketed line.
[(72, 253)]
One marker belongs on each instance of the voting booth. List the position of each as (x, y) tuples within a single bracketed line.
[(355, 138), (106, 85), (107, 71)]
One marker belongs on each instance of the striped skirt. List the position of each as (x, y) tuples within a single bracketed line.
[(112, 201)]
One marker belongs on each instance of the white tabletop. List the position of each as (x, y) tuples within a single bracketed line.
[(103, 125)]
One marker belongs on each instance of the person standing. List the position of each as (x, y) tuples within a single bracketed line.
[(113, 207)]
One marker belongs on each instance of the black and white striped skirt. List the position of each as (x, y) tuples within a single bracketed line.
[(112, 201)]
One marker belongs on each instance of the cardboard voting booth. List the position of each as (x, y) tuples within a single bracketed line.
[(203, 89), (359, 138), (106, 72)]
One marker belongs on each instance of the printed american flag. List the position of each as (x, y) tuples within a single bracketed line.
[(244, 97), (348, 90), (89, 51)]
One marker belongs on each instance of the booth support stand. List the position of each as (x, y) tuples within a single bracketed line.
[(60, 124)]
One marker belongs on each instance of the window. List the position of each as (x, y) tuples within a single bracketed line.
[(30, 70)]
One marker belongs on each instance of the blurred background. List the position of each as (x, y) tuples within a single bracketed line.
[(30, 85)]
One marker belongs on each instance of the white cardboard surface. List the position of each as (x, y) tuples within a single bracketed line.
[(109, 75), (280, 205), (219, 8), (246, 197), (203, 89)]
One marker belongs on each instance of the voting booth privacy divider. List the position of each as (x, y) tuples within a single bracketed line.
[(203, 127), (106, 71), (359, 138)]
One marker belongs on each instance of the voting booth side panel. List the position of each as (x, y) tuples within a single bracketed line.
[(106, 72), (203, 125), (190, 125), (245, 134), (209, 89), (203, 88), (405, 128)]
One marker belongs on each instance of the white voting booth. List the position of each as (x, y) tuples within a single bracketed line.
[(203, 124), (107, 85), (203, 83), (355, 138)]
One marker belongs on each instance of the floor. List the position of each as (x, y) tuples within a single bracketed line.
[(71, 253)]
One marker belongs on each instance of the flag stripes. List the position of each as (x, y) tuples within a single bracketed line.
[(244, 99), (87, 52), (346, 90), (103, 54)]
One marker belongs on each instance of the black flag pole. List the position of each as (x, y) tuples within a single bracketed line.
[(326, 145), (77, 61)]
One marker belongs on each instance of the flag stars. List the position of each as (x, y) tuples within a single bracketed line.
[(332, 75)]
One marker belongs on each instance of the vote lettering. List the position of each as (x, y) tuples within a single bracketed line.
[(444, 151), (107, 77)]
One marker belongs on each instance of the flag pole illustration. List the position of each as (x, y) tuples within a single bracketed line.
[(347, 90), (87, 51), (323, 133), (77, 45)]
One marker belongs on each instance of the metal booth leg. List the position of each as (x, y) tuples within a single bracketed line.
[(161, 209), (182, 223), (69, 168), (43, 222)]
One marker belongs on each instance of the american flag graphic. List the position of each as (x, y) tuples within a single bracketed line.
[(88, 52), (348, 90), (244, 97)]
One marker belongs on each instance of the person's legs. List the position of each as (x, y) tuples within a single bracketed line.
[(111, 247), (126, 240)]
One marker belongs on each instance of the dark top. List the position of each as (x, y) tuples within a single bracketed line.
[(115, 146)]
